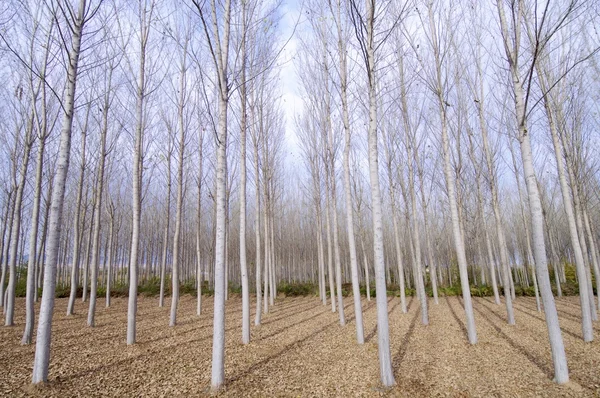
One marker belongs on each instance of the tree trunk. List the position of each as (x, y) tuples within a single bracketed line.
[(163, 262), (16, 226), (348, 194), (33, 233), (110, 259), (180, 183), (584, 293), (10, 212), (243, 123), (98, 201), (383, 337), (257, 229), (199, 276), (42, 347)]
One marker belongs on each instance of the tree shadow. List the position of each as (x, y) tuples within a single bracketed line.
[(518, 307), (287, 327), (460, 323), (564, 314), (371, 334), (399, 357), (303, 308), (296, 343), (367, 307), (538, 362)]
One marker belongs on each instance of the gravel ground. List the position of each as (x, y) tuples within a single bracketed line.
[(300, 350)]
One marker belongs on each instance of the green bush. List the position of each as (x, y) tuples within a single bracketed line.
[(363, 291), (569, 289), (298, 289), (482, 291), (455, 290), (150, 287), (188, 288), (21, 287)]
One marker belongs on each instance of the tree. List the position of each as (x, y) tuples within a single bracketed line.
[(43, 129), (521, 87), (25, 124), (218, 41), (112, 64), (75, 20), (243, 127), (342, 37), (145, 15), (364, 26), (438, 84), (163, 262), (182, 129), (552, 108)]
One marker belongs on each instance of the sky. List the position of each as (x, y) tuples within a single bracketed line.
[(291, 101)]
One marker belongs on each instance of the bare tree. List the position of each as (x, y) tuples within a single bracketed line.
[(218, 41), (112, 64), (44, 128), (521, 87), (145, 15), (437, 82), (74, 19), (364, 26), (342, 39)]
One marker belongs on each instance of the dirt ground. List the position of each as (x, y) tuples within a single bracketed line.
[(300, 350)]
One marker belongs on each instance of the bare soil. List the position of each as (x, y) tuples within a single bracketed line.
[(300, 350)]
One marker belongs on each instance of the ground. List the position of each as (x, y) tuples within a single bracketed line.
[(300, 350)]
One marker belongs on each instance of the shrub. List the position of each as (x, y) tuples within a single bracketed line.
[(298, 289), (150, 287)]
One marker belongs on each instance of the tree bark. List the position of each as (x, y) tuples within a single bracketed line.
[(42, 347), (16, 225), (98, 201)]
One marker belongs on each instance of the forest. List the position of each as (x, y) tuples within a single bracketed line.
[(299, 197)]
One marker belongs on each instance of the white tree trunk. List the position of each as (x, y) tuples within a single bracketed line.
[(33, 233), (334, 230), (109, 263), (504, 270), (383, 336), (243, 122), (16, 226), (257, 230), (176, 238), (163, 263), (366, 264), (561, 372), (218, 353), (584, 293), (329, 239), (581, 235), (199, 276), (35, 215), (267, 257), (458, 241), (98, 209), (10, 211), (42, 347), (145, 15), (348, 195), (180, 185), (221, 63), (593, 250)]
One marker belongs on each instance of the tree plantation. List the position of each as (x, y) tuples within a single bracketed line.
[(299, 197)]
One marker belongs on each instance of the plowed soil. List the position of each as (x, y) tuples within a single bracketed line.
[(301, 350)]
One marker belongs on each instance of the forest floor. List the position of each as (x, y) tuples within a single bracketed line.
[(300, 350)]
